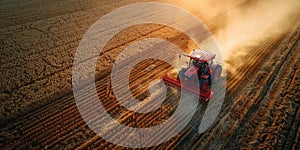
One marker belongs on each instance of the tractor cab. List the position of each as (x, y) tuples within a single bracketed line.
[(199, 66)]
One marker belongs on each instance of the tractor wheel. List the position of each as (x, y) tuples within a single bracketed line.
[(181, 74), (216, 75)]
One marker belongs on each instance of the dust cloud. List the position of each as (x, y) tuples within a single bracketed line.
[(253, 22), (239, 25)]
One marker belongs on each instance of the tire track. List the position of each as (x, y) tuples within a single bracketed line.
[(244, 103), (259, 127)]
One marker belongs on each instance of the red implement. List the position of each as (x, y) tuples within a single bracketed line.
[(204, 92)]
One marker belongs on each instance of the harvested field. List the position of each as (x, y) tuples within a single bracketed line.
[(38, 42)]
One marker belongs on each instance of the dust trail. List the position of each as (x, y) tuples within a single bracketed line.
[(238, 25), (251, 23)]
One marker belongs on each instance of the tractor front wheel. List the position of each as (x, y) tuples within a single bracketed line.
[(181, 73), (216, 75)]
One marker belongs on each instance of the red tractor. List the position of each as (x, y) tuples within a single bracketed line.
[(202, 69)]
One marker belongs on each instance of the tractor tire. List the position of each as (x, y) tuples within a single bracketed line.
[(181, 74), (216, 75)]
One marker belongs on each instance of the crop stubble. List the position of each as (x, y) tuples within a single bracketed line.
[(264, 107)]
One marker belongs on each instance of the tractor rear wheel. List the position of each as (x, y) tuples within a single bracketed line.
[(216, 75)]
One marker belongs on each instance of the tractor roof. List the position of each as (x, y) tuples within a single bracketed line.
[(202, 55)]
